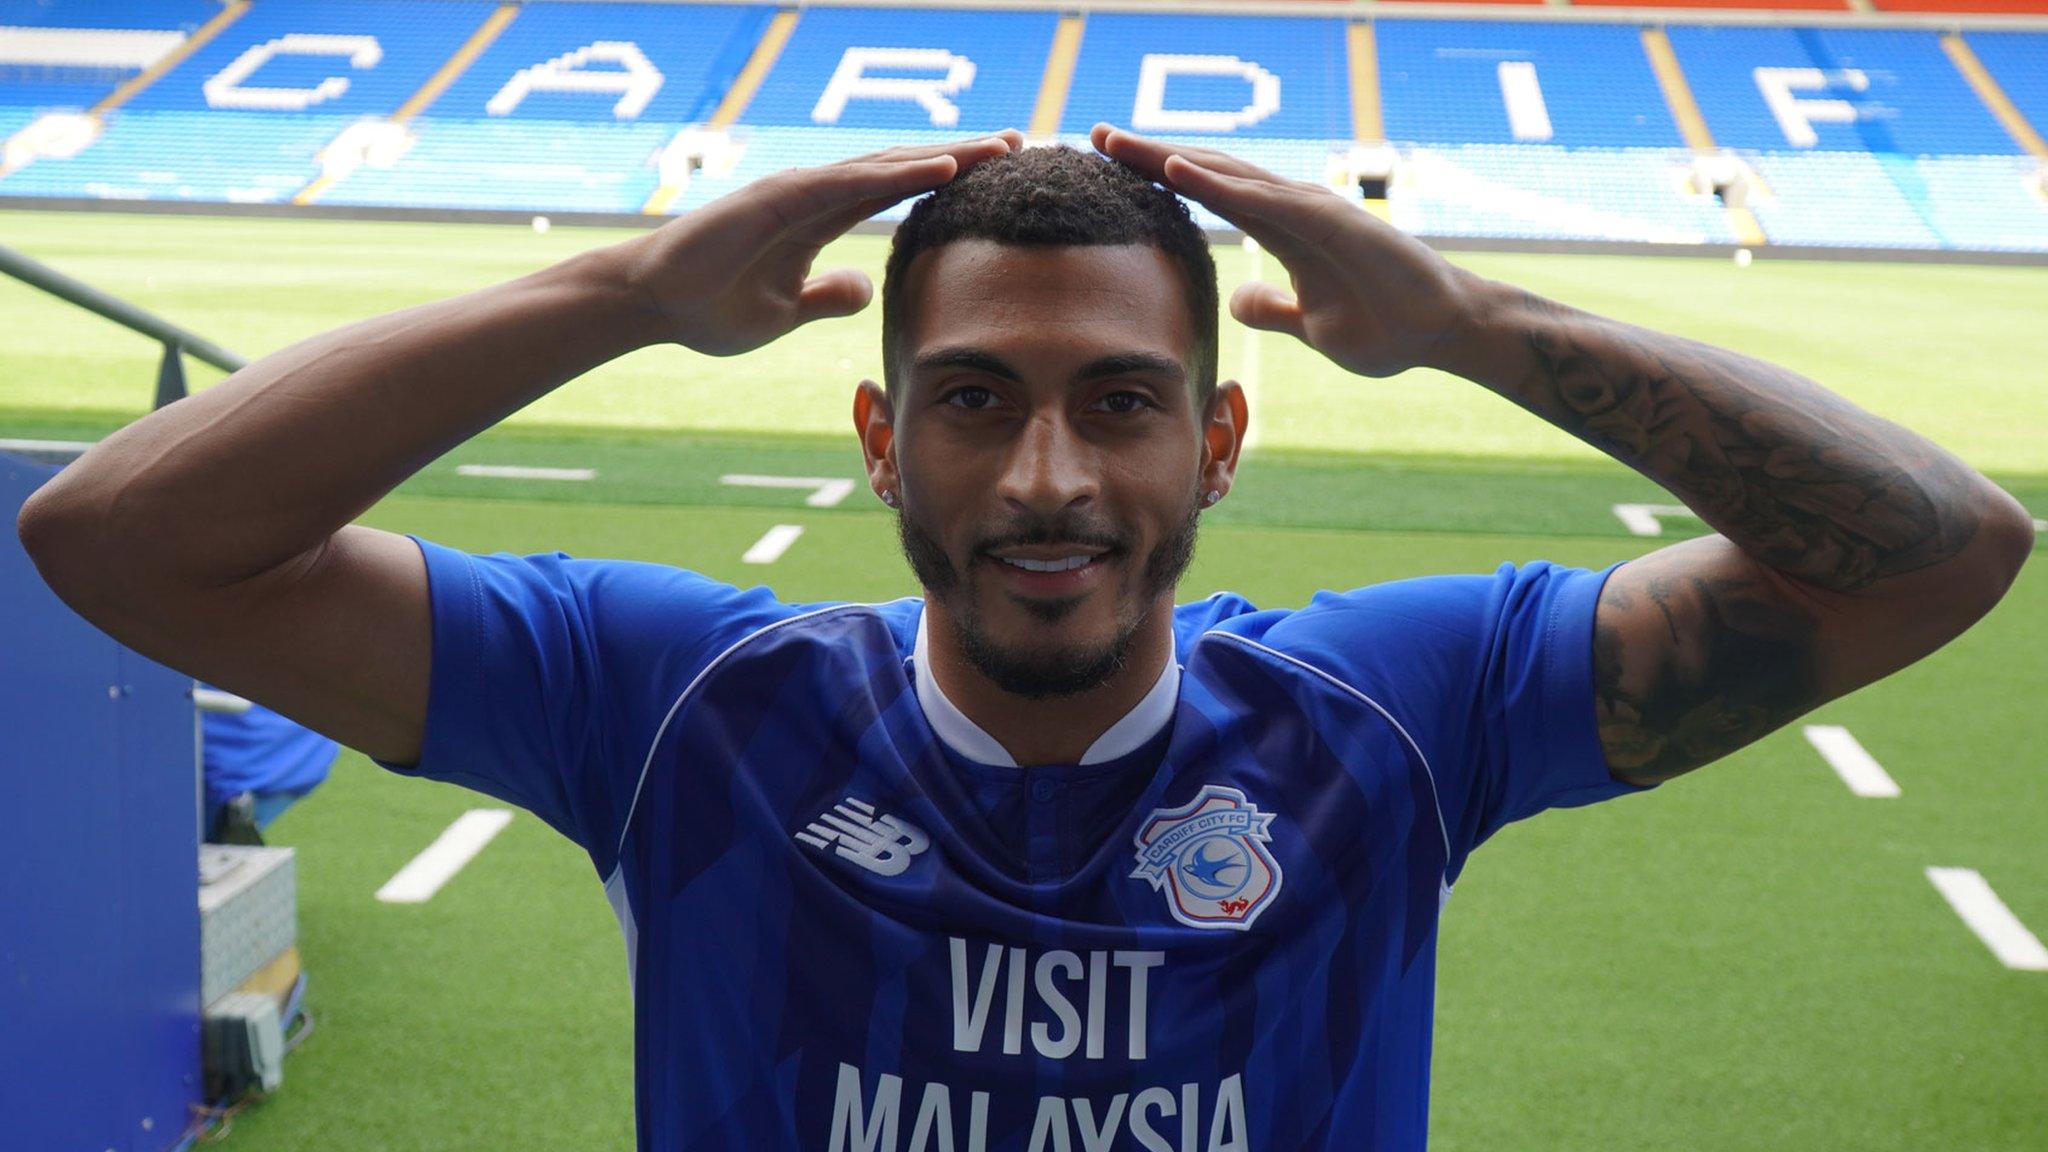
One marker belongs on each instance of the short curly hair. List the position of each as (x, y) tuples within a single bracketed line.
[(1056, 197)]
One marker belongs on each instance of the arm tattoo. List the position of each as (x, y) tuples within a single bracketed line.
[(1737, 663), (1796, 476), (1698, 652)]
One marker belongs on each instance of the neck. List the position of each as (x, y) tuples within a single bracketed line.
[(1058, 730)]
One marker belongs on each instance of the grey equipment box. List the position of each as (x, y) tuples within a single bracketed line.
[(248, 913)]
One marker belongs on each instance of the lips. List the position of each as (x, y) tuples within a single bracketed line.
[(1064, 564)]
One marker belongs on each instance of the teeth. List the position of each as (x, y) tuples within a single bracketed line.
[(1065, 565)]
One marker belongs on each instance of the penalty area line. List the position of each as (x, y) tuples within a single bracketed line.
[(1985, 914), (417, 882), (770, 547)]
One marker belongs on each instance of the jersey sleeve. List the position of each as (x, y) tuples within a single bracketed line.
[(551, 677), (1490, 676)]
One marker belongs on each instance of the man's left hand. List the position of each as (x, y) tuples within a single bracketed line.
[(1367, 295)]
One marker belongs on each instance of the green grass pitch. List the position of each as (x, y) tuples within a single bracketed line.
[(1748, 958)]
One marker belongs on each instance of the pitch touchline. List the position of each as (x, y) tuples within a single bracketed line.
[(419, 880)]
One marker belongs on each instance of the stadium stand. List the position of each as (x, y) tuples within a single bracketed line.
[(1270, 89), (1713, 130), (564, 110)]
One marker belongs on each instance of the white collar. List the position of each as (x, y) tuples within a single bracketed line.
[(1144, 721)]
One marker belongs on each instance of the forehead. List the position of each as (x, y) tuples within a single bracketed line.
[(1078, 302)]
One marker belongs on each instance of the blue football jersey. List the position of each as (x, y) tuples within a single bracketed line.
[(847, 933)]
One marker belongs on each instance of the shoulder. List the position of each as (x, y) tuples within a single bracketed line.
[(1422, 627)]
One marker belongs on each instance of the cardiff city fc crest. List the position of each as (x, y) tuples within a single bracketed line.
[(1209, 857)]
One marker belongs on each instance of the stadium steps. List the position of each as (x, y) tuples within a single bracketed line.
[(767, 50), (336, 169), (1685, 109), (1993, 95), (1059, 76)]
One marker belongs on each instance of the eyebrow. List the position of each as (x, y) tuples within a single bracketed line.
[(1114, 364)]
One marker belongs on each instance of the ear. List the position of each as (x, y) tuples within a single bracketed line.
[(874, 420), (1223, 426)]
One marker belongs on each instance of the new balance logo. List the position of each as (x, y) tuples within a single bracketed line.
[(880, 844)]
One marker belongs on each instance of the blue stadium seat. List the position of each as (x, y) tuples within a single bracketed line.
[(1854, 90), (1231, 77), (507, 135), (1507, 128), (1540, 192), (74, 54), (1005, 55), (243, 119), (1442, 83)]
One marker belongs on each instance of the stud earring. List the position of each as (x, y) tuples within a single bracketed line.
[(889, 497), (1212, 497)]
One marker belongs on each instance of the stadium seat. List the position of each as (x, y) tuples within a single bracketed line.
[(1518, 128)]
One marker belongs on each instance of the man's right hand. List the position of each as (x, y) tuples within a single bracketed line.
[(736, 274)]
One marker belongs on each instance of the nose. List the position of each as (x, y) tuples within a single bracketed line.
[(1051, 467)]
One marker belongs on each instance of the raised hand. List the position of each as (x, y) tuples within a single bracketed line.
[(736, 274), (1367, 295)]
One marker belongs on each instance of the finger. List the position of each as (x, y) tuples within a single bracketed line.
[(968, 152), (1149, 156), (1262, 211), (1272, 309), (840, 292), (796, 199)]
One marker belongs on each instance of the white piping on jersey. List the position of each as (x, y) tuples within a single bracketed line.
[(1145, 720), (735, 646), (1435, 801)]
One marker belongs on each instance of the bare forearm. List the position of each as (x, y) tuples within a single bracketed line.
[(270, 462), (1794, 475)]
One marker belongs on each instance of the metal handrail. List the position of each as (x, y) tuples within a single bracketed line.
[(170, 377)]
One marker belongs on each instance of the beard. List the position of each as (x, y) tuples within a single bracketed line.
[(1062, 669)]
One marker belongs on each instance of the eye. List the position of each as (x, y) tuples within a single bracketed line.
[(973, 398), (1126, 402)]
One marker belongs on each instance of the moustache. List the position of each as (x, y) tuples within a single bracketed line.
[(1066, 530)]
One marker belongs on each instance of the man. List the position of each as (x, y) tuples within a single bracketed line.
[(1039, 861)]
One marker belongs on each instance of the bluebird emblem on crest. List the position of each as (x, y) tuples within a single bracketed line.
[(1209, 858)]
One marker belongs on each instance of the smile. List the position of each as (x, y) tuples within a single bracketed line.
[(1061, 565)]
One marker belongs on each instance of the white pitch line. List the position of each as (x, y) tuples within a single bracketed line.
[(518, 472), (830, 490), (45, 445), (458, 845), (1857, 768), (770, 547), (1641, 519), (1987, 916)]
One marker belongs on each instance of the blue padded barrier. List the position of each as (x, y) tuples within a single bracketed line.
[(99, 953)]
